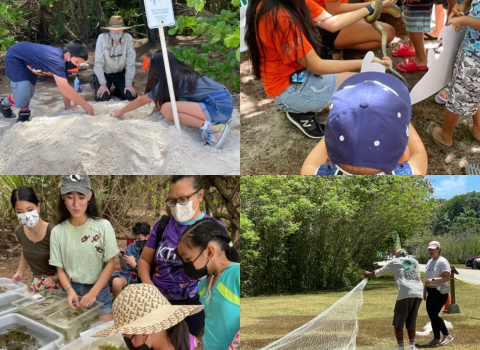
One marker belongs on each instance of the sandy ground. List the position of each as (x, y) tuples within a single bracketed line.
[(271, 144), (57, 141)]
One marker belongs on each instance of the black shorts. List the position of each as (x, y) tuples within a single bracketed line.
[(328, 39), (442, 2), (405, 313)]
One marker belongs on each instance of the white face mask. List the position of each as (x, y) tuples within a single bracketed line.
[(29, 219), (184, 213), (116, 36)]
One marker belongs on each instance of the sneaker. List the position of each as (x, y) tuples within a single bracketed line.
[(6, 111), (433, 342), (215, 133), (308, 123), (446, 339), (23, 116), (412, 347)]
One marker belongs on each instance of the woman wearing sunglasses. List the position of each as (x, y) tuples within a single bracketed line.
[(115, 62), (184, 198)]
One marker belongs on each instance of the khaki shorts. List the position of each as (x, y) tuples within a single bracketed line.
[(405, 313)]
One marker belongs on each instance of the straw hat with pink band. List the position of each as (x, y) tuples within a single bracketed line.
[(142, 309), (434, 245)]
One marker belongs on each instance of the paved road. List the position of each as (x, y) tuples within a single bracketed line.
[(468, 275)]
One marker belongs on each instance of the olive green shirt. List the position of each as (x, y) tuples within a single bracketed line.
[(37, 254), (83, 250)]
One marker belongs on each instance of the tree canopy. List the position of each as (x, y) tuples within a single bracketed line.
[(302, 233)]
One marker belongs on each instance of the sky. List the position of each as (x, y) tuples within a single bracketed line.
[(448, 186)]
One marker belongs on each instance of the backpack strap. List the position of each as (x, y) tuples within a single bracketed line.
[(161, 229)]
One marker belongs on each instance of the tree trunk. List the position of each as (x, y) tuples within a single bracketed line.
[(85, 22), (74, 18), (98, 7)]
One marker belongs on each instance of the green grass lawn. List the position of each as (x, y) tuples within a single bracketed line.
[(265, 319)]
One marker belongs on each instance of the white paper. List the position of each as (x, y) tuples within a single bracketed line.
[(439, 71), (369, 66), (159, 13)]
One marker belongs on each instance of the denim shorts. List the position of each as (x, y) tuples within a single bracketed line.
[(22, 92), (218, 106), (312, 95), (104, 296)]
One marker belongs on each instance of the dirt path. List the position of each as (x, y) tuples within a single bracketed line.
[(270, 144)]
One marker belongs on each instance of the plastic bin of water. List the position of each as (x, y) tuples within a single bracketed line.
[(39, 305), (46, 338), (8, 286), (88, 342), (6, 300), (72, 322)]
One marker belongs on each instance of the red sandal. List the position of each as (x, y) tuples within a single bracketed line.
[(402, 50), (409, 65)]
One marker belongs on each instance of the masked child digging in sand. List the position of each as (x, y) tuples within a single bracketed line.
[(25, 61), (369, 131), (207, 104)]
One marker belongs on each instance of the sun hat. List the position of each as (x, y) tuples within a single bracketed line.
[(433, 245), (75, 183), (116, 23), (141, 309), (368, 123), (401, 253)]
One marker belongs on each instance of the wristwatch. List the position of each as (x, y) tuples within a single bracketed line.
[(433, 279)]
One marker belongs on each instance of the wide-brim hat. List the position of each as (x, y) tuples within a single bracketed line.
[(141, 309), (116, 23)]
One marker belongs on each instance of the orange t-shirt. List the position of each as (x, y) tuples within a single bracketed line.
[(277, 49), (322, 2)]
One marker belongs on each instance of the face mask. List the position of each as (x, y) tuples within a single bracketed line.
[(116, 36), (29, 219), (130, 346), (192, 272), (140, 244), (69, 65), (184, 213)]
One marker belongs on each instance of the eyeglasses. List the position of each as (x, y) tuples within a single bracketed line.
[(129, 343), (171, 202)]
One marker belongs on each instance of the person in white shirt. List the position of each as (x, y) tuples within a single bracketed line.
[(406, 272), (115, 62), (436, 291)]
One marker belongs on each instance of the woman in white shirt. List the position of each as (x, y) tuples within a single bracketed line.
[(436, 292)]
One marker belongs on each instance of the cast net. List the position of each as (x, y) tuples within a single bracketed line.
[(334, 329)]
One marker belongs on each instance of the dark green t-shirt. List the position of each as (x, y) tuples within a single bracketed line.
[(37, 254)]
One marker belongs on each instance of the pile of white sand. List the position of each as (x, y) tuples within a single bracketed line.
[(57, 141)]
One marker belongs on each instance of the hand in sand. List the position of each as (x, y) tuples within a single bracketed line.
[(155, 110), (131, 89), (117, 114), (89, 109)]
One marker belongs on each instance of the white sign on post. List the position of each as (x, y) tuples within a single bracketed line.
[(159, 15)]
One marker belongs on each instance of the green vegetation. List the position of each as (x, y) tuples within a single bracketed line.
[(303, 234), (3, 290), (111, 346), (456, 225), (17, 339)]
